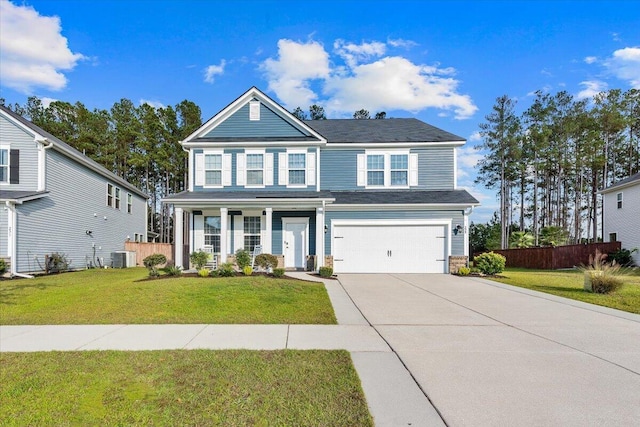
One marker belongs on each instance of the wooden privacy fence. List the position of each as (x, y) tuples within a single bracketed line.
[(143, 250), (551, 258)]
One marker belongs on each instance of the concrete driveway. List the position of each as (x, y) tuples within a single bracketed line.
[(491, 354)]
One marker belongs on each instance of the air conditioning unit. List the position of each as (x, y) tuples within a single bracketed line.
[(119, 259)]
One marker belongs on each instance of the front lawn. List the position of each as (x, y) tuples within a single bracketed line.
[(118, 296), (197, 387), (569, 284)]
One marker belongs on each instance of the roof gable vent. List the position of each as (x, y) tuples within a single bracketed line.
[(254, 110)]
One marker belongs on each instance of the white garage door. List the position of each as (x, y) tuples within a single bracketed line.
[(378, 248)]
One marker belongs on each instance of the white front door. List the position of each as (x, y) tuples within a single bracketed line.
[(295, 241)]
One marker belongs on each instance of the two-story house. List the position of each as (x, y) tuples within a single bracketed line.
[(54, 199), (368, 196), (621, 214)]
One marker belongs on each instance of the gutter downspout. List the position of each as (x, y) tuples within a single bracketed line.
[(14, 241)]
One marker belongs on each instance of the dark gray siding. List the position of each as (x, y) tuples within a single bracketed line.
[(270, 125), (457, 242), (19, 139), (338, 168), (77, 203)]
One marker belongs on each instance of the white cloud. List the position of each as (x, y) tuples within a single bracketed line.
[(154, 104), (475, 136), (591, 88), (590, 59), (625, 65), (33, 51), (214, 70), (383, 84), (407, 44)]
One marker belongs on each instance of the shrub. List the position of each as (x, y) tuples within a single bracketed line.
[(247, 270), (199, 259), (243, 258), (267, 261), (3, 266), (203, 272), (226, 270), (464, 271), (57, 262), (326, 271), (622, 257), (278, 272), (600, 276), (152, 262), (490, 263), (173, 270)]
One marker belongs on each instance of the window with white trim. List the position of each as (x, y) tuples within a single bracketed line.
[(213, 169), (297, 168), (387, 169), (110, 194), (117, 199), (251, 232), (619, 200), (212, 233), (129, 203), (4, 165), (255, 169)]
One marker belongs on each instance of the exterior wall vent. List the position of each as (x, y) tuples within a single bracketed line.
[(254, 110)]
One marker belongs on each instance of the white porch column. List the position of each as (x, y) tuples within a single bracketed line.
[(320, 236), (466, 234), (178, 238), (267, 245), (224, 219)]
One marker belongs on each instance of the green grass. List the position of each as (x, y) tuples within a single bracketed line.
[(116, 296), (197, 387), (569, 284)]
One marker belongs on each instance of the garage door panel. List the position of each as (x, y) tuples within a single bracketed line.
[(389, 248)]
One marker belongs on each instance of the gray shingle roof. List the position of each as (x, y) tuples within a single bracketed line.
[(368, 197), (380, 131), (16, 195), (632, 178)]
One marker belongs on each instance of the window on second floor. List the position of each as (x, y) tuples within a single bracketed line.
[(255, 169), (117, 199), (619, 200), (380, 169), (4, 165), (129, 203), (110, 194), (213, 169), (297, 168)]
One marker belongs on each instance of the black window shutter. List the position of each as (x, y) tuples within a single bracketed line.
[(14, 167)]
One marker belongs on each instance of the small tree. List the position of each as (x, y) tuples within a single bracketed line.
[(243, 258), (299, 114), (381, 115), (317, 112), (490, 263), (361, 114), (152, 262), (199, 259)]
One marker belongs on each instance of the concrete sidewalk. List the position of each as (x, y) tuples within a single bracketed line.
[(393, 396)]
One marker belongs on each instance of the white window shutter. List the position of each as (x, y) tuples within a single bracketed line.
[(226, 169), (199, 178), (311, 168), (240, 169), (413, 169), (268, 169), (362, 170), (282, 169)]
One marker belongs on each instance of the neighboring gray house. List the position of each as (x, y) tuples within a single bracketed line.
[(621, 204), (372, 195), (55, 199)]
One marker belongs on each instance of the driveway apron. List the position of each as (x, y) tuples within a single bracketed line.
[(491, 354)]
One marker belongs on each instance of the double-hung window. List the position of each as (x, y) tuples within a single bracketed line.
[(297, 168), (255, 169), (619, 200), (117, 198), (387, 169), (110, 194), (213, 170), (212, 233), (251, 232), (4, 165), (129, 203)]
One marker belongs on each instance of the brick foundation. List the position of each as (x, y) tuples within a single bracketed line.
[(457, 261)]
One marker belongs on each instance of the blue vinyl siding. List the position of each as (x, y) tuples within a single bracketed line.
[(270, 124), (76, 203), (457, 216), (276, 239), (338, 169), (18, 139)]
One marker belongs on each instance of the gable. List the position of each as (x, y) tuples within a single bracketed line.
[(267, 125)]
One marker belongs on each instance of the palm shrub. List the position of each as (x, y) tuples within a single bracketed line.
[(199, 259), (152, 262), (521, 239), (490, 263), (243, 258), (226, 270), (174, 270), (601, 276)]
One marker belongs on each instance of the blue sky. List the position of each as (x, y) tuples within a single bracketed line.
[(442, 62)]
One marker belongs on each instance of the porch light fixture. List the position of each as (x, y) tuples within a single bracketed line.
[(326, 228), (458, 229)]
